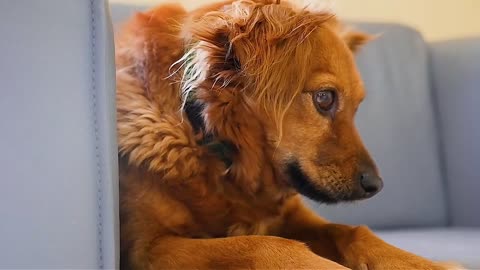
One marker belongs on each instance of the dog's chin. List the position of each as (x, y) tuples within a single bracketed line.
[(304, 185)]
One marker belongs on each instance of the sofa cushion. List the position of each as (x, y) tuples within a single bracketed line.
[(58, 162), (455, 244), (455, 67)]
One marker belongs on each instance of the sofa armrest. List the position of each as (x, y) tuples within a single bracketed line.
[(58, 161), (455, 69)]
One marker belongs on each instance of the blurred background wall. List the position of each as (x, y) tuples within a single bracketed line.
[(435, 19)]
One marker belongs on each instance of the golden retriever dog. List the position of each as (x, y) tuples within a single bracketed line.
[(225, 115)]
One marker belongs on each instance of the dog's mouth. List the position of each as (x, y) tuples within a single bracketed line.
[(305, 186)]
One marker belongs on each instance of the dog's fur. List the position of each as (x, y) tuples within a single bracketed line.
[(253, 67)]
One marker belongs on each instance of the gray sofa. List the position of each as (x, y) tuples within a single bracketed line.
[(58, 168)]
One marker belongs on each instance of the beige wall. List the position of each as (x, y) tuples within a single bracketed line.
[(436, 19)]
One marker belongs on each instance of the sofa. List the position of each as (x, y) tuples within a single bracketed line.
[(58, 169)]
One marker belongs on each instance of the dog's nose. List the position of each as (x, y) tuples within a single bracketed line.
[(371, 183)]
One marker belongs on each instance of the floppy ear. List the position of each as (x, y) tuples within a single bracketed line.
[(213, 55), (355, 40)]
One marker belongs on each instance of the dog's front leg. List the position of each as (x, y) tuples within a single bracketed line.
[(241, 252), (353, 247)]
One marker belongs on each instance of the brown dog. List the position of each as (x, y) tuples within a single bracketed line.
[(224, 113)]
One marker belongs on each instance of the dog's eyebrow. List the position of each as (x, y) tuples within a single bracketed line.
[(319, 80)]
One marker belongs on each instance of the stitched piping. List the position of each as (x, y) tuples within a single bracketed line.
[(99, 181)]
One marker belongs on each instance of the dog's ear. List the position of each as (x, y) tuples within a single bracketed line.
[(355, 39), (213, 52)]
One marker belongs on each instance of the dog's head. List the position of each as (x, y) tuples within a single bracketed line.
[(296, 69)]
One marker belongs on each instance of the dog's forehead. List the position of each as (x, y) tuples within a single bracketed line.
[(333, 63), (331, 52)]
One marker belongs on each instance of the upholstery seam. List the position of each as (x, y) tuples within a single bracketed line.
[(99, 181)]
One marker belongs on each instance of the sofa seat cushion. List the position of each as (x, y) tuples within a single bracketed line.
[(455, 244)]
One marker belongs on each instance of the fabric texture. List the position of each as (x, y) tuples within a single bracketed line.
[(58, 202), (439, 244), (455, 71)]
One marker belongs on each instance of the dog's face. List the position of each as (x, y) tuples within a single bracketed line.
[(320, 150), (299, 72)]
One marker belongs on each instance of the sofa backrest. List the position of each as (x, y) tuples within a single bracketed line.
[(398, 126), (58, 161), (455, 69)]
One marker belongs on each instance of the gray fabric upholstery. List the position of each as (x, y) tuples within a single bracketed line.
[(439, 244), (58, 203), (397, 124), (455, 67)]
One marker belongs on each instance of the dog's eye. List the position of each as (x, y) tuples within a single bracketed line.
[(324, 99)]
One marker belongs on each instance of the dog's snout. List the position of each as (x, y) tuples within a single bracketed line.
[(371, 183)]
